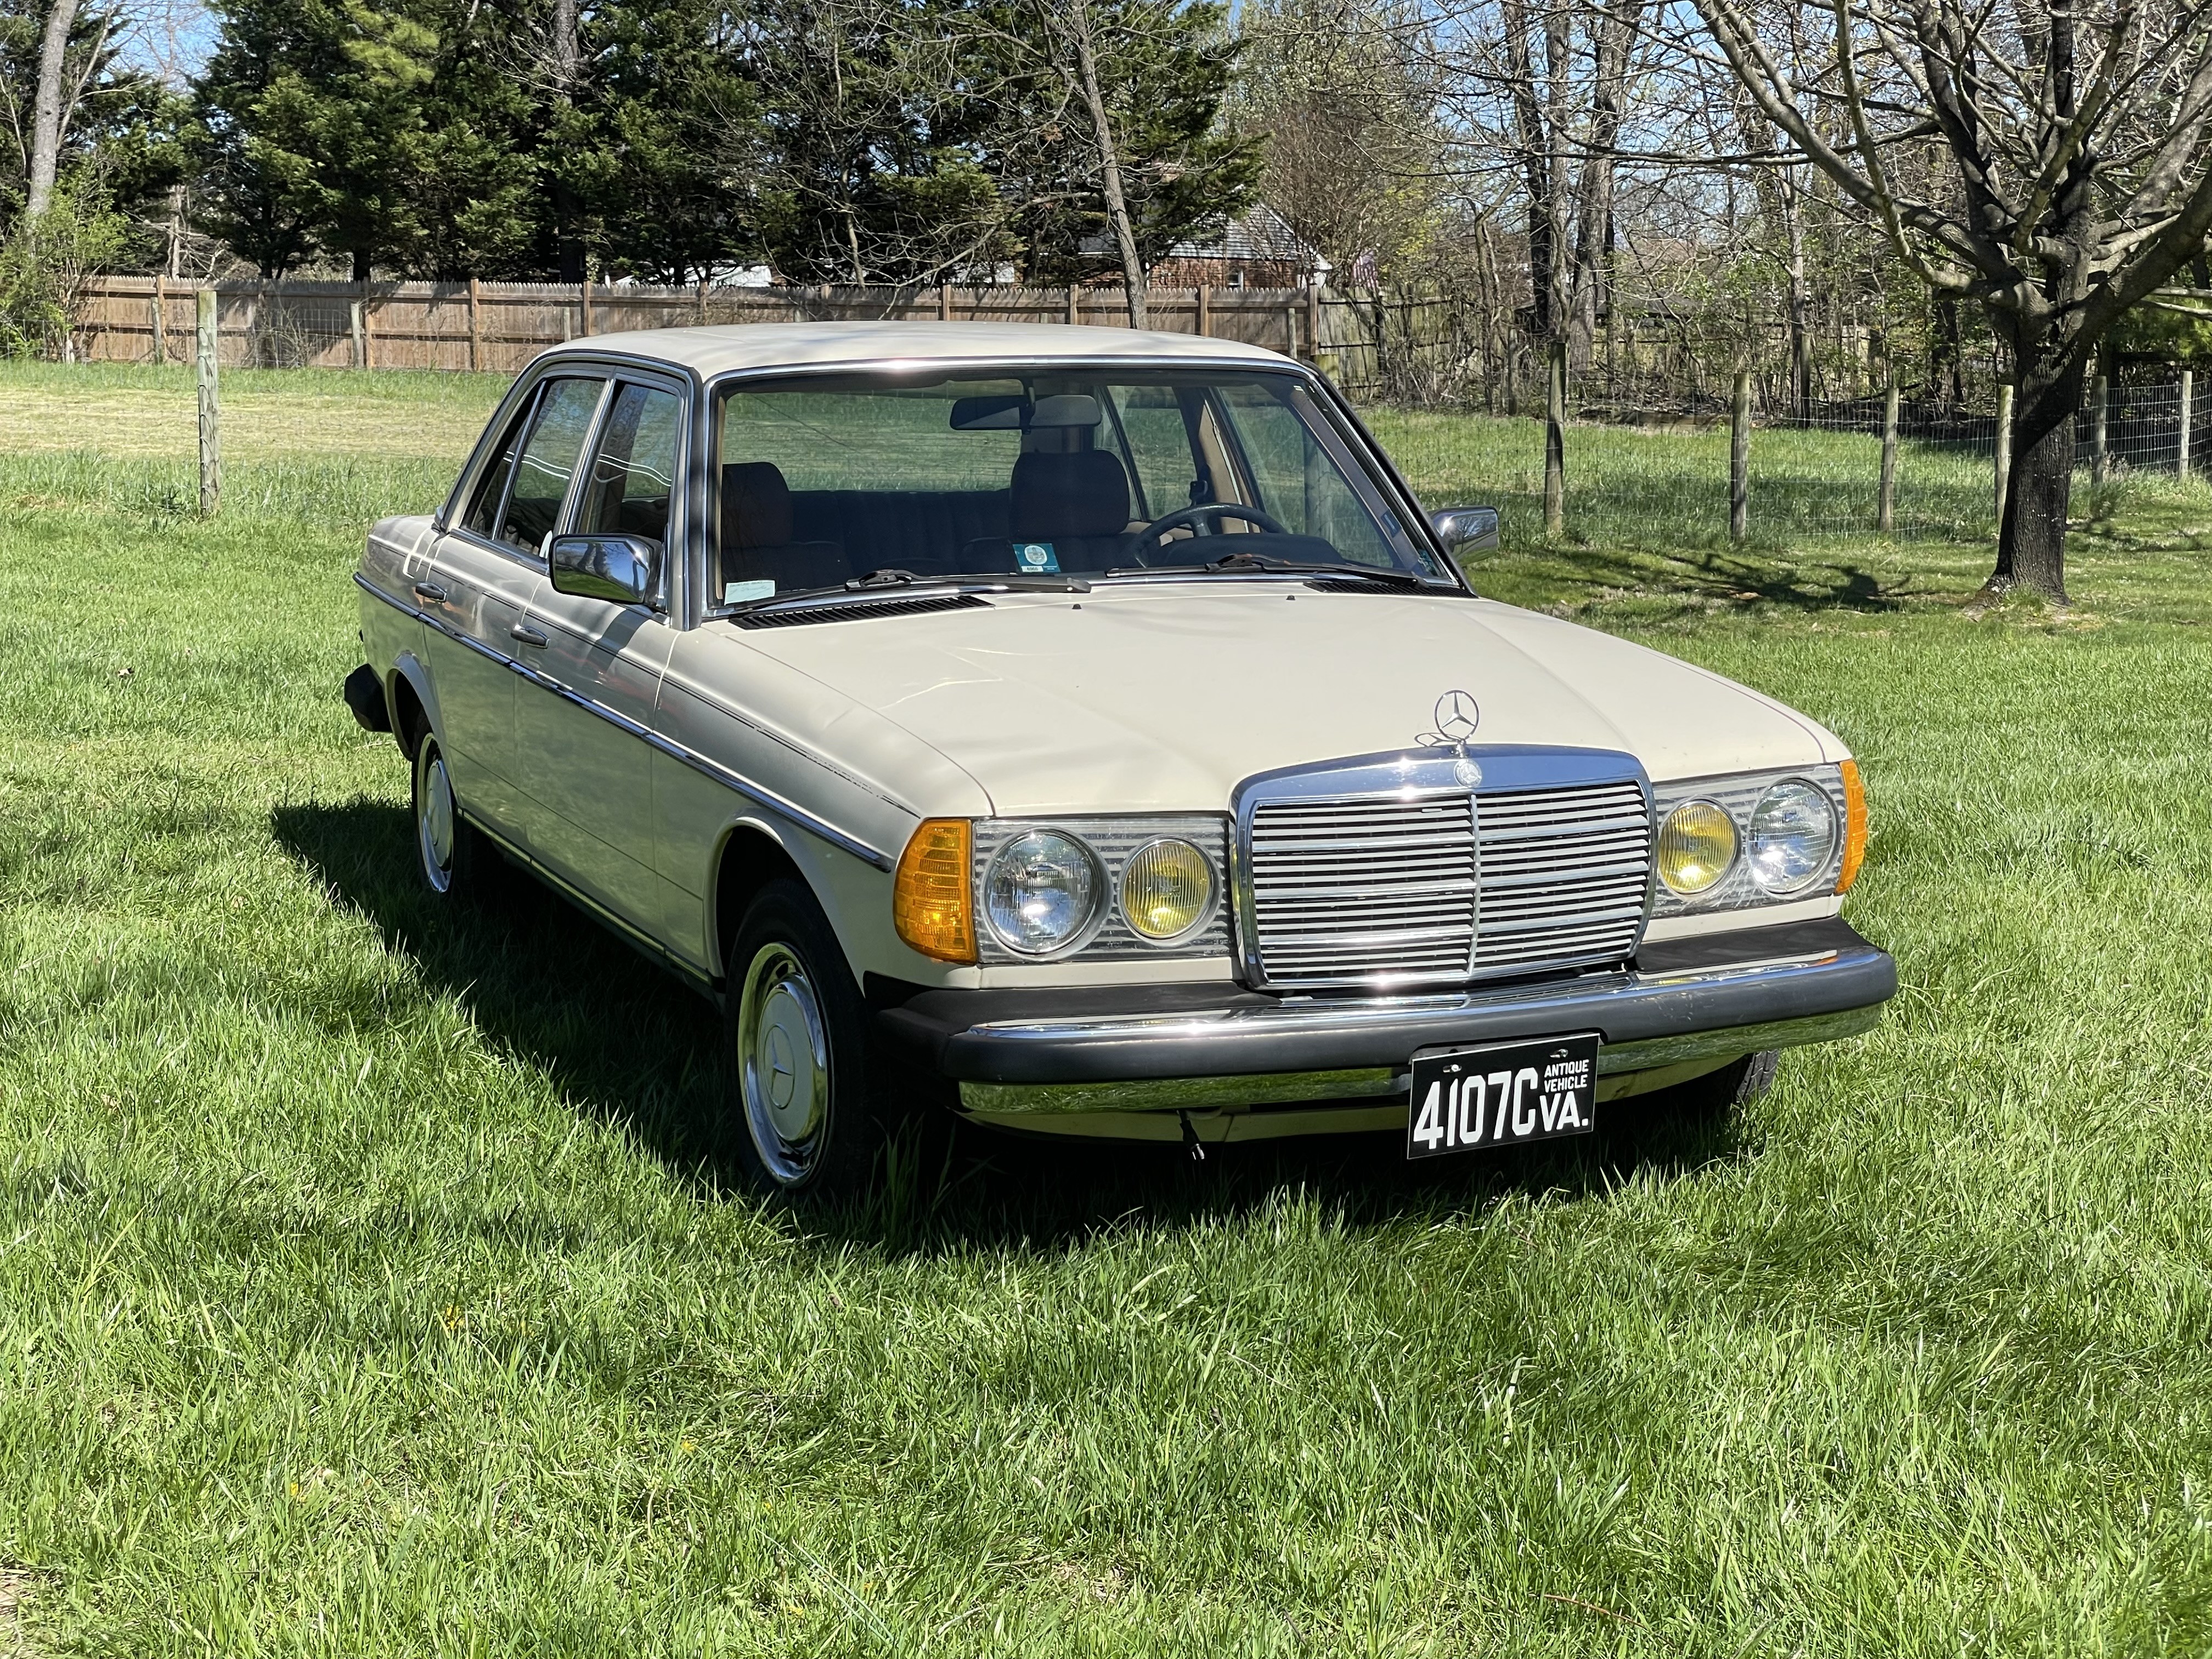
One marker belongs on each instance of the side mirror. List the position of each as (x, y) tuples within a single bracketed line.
[(1466, 529), (623, 568)]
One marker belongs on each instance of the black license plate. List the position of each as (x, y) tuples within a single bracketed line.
[(1501, 1094)]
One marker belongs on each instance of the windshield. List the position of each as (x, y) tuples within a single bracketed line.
[(1077, 471)]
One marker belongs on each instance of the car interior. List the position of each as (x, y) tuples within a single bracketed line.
[(1069, 505)]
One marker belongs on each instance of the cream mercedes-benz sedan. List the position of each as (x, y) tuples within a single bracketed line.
[(1089, 729)]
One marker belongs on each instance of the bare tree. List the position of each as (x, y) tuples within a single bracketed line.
[(2078, 139), (1067, 23), (49, 119)]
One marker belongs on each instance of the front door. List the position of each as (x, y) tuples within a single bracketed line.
[(587, 765)]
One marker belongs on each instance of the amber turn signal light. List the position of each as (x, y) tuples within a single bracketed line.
[(1855, 827), (931, 906)]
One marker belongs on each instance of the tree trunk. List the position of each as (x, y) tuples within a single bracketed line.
[(1536, 177), (2032, 537), (567, 55), (1109, 161), (1591, 285), (47, 112)]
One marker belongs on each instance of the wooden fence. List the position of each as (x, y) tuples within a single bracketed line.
[(499, 326)]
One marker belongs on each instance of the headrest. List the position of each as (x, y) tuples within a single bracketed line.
[(1082, 493), (756, 505)]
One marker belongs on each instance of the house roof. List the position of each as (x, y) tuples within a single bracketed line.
[(1259, 233)]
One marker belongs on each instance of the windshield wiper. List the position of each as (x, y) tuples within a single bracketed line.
[(877, 579), (1240, 563)]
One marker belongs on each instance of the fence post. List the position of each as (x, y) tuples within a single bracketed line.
[(210, 411), (1074, 316), (2187, 397), (2100, 394), (476, 324), (702, 302), (1886, 509), (943, 302), (586, 306), (1740, 457), (161, 327), (1313, 322), (353, 322), (2004, 448), (1205, 310), (1555, 438)]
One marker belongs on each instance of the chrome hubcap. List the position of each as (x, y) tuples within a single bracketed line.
[(783, 1056), (433, 821)]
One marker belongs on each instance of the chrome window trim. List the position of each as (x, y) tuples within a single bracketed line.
[(1416, 774), (710, 768)]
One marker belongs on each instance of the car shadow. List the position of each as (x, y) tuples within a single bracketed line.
[(548, 986)]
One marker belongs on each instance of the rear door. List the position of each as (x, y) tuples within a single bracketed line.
[(476, 589), (582, 747)]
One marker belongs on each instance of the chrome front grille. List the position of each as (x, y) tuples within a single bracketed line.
[(1351, 887), (1431, 887), (1562, 875)]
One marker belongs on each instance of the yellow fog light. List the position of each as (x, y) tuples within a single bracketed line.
[(930, 903), (1696, 846), (1167, 890)]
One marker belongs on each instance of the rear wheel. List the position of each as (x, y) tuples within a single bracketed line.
[(448, 850), (806, 1081)]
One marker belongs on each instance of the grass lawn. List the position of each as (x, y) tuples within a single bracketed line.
[(371, 1283)]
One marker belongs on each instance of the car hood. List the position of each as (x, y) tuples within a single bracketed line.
[(1163, 697)]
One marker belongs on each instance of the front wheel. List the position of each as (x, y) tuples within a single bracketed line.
[(799, 1041), (1734, 1086)]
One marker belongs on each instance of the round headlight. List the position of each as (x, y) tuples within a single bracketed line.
[(1041, 891), (1696, 846), (1167, 889), (1793, 836)]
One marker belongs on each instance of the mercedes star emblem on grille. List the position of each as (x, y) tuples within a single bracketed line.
[(1457, 715)]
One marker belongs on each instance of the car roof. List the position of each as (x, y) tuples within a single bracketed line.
[(709, 351)]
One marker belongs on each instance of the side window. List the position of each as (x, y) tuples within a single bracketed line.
[(1298, 482), (634, 468), (491, 488), (548, 461), (1159, 447)]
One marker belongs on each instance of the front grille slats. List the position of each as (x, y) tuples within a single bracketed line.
[(1448, 888)]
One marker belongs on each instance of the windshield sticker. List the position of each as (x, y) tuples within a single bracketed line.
[(738, 593), (1037, 558)]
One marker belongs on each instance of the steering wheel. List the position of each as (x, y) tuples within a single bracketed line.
[(1190, 517)]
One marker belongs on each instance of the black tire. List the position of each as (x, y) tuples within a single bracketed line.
[(1735, 1085), (450, 853), (806, 1084)]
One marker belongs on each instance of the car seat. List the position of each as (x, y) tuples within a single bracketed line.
[(757, 538), (1078, 502)]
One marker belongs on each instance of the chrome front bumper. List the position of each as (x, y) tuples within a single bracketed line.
[(1192, 1047)]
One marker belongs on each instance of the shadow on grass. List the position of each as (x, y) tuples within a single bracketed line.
[(1772, 575), (628, 1045)]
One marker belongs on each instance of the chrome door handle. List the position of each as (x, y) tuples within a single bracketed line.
[(527, 636), (429, 593)]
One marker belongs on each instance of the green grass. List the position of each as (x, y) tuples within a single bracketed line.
[(369, 1282)]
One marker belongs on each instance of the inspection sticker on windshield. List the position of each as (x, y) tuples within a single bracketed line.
[(1501, 1094), (1037, 558)]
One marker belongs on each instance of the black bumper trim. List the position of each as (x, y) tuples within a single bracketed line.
[(1756, 976)]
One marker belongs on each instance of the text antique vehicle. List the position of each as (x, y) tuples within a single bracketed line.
[(1091, 719)]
